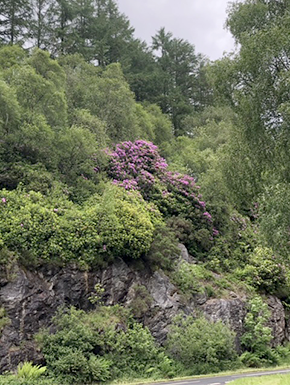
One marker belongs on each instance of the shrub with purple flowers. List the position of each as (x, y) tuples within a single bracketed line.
[(139, 166)]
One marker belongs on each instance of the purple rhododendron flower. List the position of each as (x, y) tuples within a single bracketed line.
[(207, 215)]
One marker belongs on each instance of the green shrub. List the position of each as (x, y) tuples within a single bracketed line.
[(100, 346), (46, 228), (125, 222), (163, 249), (4, 320), (202, 346), (51, 228), (28, 371), (233, 248), (190, 278), (257, 336), (13, 380), (141, 301), (264, 271)]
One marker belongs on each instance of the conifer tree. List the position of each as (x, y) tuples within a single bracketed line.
[(14, 19), (40, 27)]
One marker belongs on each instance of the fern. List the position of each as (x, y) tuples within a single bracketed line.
[(29, 371)]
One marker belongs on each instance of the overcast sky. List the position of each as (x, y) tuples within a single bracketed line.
[(201, 22)]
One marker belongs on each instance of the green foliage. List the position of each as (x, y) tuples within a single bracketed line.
[(162, 126), (4, 320), (125, 222), (97, 294), (273, 217), (13, 380), (202, 346), (100, 346), (28, 371), (257, 336), (141, 301), (37, 94), (232, 250), (9, 110), (191, 278), (178, 69), (264, 271), (41, 228), (110, 98), (163, 249)]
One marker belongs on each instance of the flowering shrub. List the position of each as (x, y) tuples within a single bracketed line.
[(138, 166)]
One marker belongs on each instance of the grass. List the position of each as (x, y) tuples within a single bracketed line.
[(220, 374), (279, 379)]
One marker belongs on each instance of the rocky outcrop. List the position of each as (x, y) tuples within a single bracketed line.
[(277, 321), (31, 298), (231, 311)]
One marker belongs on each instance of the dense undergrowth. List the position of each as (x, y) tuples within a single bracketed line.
[(101, 160)]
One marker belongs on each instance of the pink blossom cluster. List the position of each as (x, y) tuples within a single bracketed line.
[(139, 166), (130, 159)]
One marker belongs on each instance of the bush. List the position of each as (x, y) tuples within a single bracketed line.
[(125, 222), (264, 271), (139, 166), (51, 228), (141, 302), (164, 248), (202, 346), (4, 320), (100, 346), (10, 379), (46, 228), (191, 277), (257, 336)]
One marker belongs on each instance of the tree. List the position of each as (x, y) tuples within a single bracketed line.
[(260, 74), (141, 71), (40, 89), (83, 23), (179, 70), (110, 98), (254, 83), (14, 19), (61, 34), (40, 28), (111, 33)]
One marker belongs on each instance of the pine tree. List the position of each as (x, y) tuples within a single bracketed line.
[(40, 27), (60, 20), (15, 16)]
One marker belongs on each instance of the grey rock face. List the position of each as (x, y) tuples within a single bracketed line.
[(277, 321), (230, 311), (32, 298)]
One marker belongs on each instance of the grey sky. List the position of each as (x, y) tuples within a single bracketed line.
[(201, 22)]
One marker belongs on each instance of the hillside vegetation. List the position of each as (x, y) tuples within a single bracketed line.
[(110, 148)]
